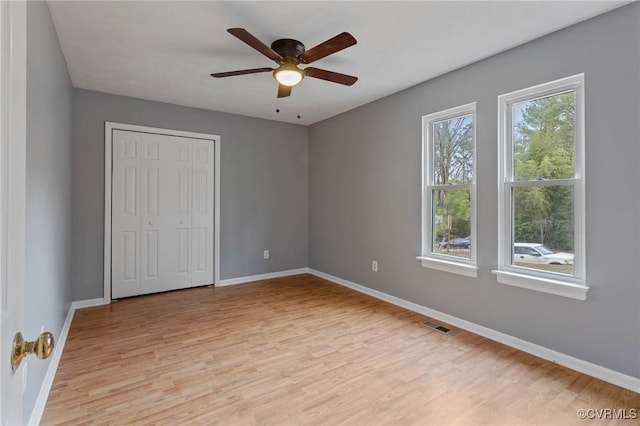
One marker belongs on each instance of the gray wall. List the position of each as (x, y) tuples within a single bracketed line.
[(264, 185), (48, 185), (365, 177)]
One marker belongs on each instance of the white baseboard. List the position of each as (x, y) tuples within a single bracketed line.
[(240, 280), (43, 395), (79, 304), (47, 382), (599, 372)]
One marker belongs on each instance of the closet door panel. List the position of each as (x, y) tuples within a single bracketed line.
[(179, 225), (153, 217), (162, 213), (202, 216), (125, 215)]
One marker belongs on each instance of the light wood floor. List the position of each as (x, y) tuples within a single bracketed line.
[(300, 350)]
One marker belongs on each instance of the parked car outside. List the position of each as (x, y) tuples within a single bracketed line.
[(464, 243), (540, 254)]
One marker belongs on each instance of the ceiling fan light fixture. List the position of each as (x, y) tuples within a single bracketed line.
[(288, 74)]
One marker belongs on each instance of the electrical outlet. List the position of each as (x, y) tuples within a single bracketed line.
[(374, 265), (265, 254)]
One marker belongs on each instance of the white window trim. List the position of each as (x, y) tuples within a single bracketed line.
[(545, 285), (428, 259), (573, 287), (453, 267)]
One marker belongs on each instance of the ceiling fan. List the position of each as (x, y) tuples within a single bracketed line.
[(288, 54)]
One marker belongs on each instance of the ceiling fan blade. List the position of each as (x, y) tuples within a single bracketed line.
[(240, 72), (334, 77), (329, 47), (249, 39), (283, 91)]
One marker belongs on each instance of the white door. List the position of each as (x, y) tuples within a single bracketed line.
[(202, 213), (162, 213), (178, 187), (166, 212), (12, 200), (126, 209)]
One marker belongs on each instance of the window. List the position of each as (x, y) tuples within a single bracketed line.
[(448, 200), (541, 193)]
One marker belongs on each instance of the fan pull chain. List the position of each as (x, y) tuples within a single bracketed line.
[(278, 108)]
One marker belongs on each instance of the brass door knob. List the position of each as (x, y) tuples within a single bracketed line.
[(41, 347)]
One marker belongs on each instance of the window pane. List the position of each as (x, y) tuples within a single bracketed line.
[(453, 150), (543, 231), (451, 222), (543, 133)]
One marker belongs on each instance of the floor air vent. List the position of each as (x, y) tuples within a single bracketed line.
[(440, 328)]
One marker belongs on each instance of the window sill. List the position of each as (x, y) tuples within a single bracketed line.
[(449, 266), (545, 285)]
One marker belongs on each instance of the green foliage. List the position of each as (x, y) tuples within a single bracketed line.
[(454, 207), (543, 135)]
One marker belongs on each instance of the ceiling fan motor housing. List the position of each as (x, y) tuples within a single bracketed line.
[(288, 47)]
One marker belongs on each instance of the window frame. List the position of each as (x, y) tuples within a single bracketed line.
[(428, 258), (548, 282)]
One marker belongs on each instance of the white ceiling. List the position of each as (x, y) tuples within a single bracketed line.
[(165, 51)]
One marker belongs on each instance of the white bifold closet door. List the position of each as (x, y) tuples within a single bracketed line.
[(162, 213)]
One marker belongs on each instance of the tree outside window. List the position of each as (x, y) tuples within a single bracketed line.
[(541, 132), (449, 141)]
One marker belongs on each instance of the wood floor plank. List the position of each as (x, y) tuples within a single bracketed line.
[(301, 350)]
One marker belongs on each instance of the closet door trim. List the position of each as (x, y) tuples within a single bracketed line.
[(109, 128)]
